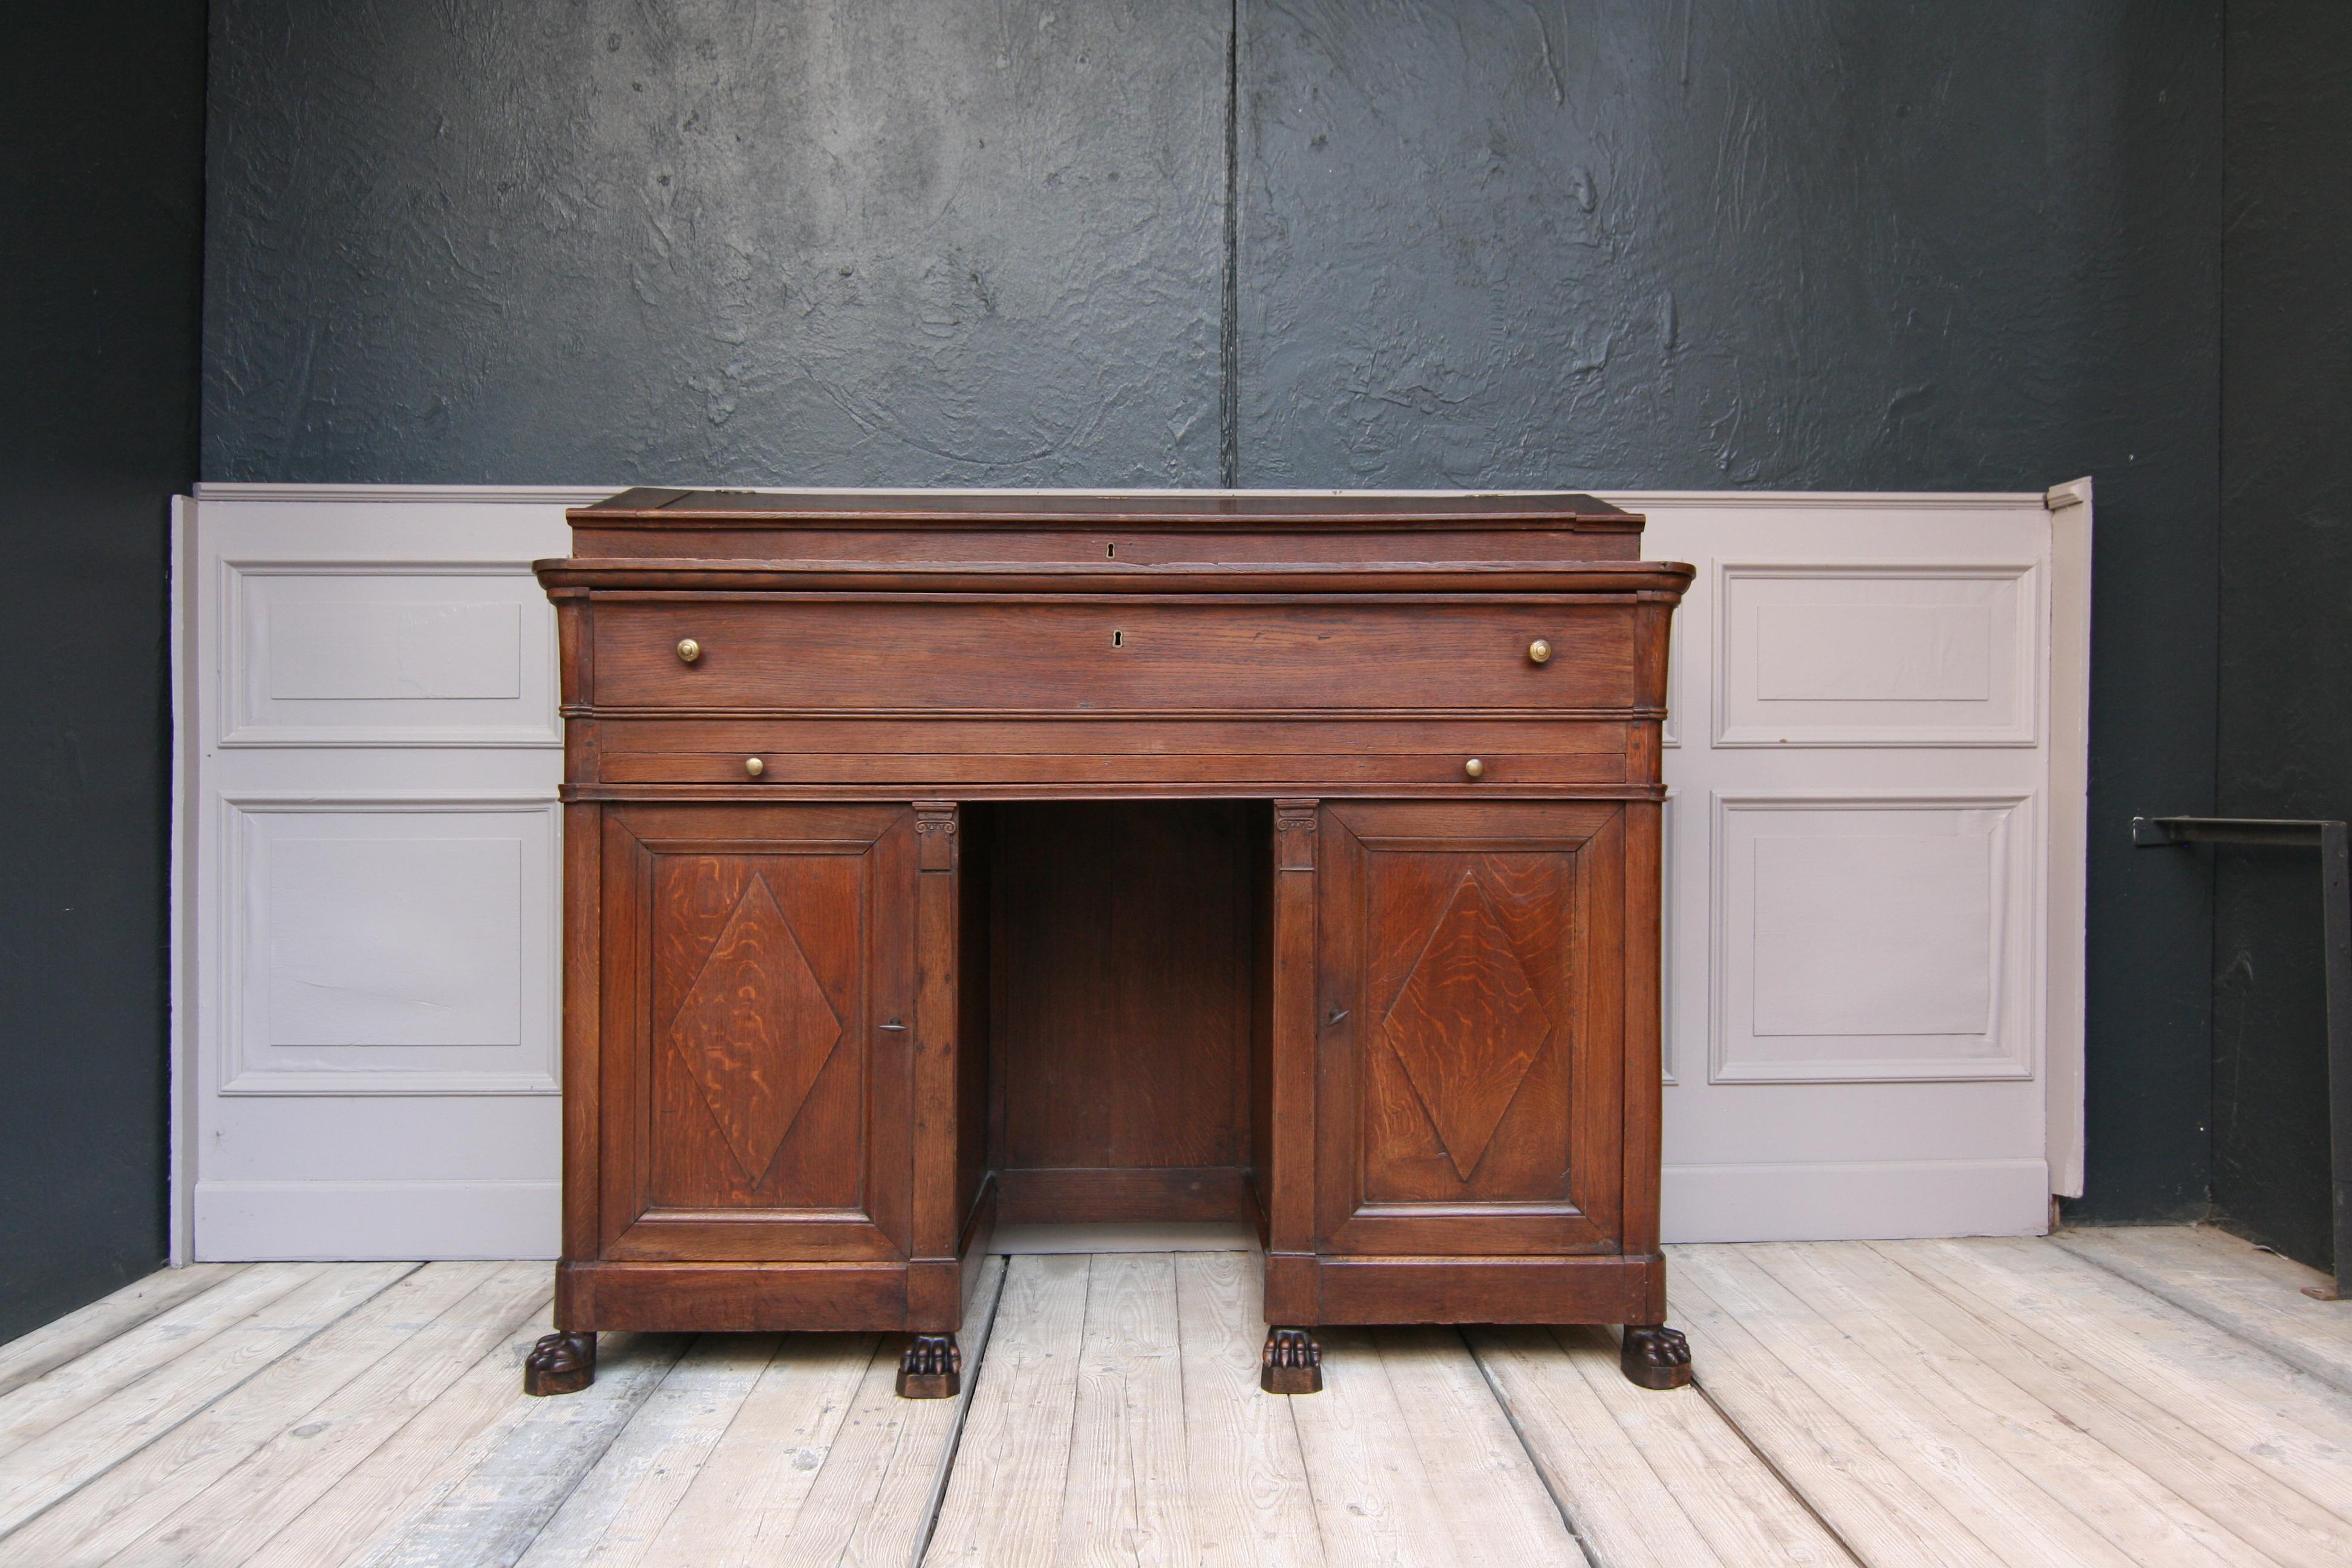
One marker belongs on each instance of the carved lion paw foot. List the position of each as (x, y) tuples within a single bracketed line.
[(1293, 1362), (932, 1368), (1655, 1357), (560, 1364)]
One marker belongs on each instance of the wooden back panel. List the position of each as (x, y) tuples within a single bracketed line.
[(1123, 957)]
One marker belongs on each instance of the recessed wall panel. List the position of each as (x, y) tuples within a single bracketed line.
[(390, 946), (348, 649), (409, 654), (1934, 653), (391, 941), (1872, 939), (1878, 934)]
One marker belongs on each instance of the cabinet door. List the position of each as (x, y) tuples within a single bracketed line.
[(1470, 1028), (757, 1006)]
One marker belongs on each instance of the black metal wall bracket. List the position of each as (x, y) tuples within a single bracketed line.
[(2333, 843)]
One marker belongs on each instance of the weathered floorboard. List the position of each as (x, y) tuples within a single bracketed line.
[(614, 1514), (1003, 1502), (2230, 1282), (886, 1472), (1388, 1400), (216, 1487), (2229, 1487), (1645, 1478), (68, 1389), (1923, 1367), (2271, 1415), (50, 1466), (412, 1472), (1888, 1517), (543, 1448), (1248, 1480), (1125, 1496), (105, 1320), (746, 1495)]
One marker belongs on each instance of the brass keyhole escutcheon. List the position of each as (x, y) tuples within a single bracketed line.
[(688, 650), (1539, 652), (1475, 769), (754, 766)]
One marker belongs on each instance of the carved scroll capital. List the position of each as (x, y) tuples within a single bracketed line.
[(1294, 834), (935, 834)]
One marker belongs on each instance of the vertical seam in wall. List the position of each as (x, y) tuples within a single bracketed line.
[(2213, 939), (2220, 460), (1229, 344)]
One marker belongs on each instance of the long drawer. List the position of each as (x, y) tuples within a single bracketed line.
[(1110, 655), (947, 753), (949, 770)]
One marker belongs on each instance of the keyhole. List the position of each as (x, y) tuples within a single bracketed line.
[(1111, 551), (1119, 640)]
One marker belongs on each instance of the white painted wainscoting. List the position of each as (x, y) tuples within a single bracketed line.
[(368, 914), (1873, 908)]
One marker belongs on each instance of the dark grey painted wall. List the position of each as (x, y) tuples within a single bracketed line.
[(933, 244), (2287, 604), (1844, 244), (102, 176)]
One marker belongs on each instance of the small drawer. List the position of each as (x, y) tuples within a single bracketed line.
[(1109, 655)]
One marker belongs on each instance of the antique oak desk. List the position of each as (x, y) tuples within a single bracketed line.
[(937, 861)]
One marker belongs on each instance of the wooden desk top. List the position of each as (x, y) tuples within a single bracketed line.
[(1198, 528), (1215, 508), (1580, 579)]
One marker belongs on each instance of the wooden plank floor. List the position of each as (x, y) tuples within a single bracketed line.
[(2117, 1397)]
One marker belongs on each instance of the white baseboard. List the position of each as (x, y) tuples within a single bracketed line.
[(1856, 1202), (240, 1222)]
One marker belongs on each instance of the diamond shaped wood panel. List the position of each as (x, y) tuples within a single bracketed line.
[(1467, 1025), (755, 1029)]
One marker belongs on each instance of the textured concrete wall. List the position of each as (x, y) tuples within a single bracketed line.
[(101, 176), (1852, 245), (933, 244), (1836, 245), (2287, 606)]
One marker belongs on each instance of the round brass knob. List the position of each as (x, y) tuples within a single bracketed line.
[(1475, 768), (1539, 652), (754, 766), (688, 650)]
